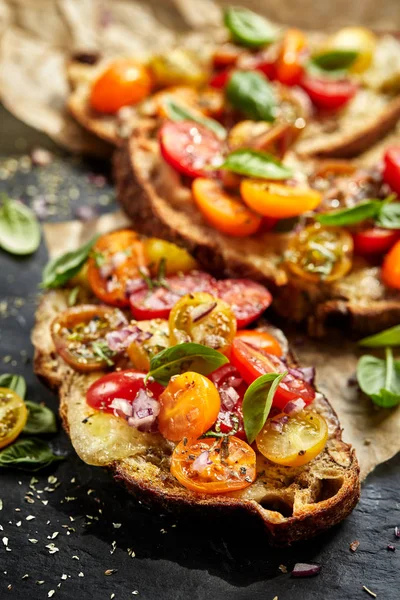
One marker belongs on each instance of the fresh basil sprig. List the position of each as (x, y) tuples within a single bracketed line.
[(257, 403), (255, 163), (389, 215), (252, 94), (380, 379), (332, 60), (184, 357), (248, 28), (40, 420), (178, 112), (19, 228), (388, 337), (13, 382), (29, 454), (368, 209), (61, 269)]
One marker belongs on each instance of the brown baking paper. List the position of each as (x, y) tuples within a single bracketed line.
[(372, 431), (38, 36)]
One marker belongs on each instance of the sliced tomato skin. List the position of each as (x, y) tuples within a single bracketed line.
[(252, 363), (247, 298), (119, 384), (391, 267), (157, 304), (260, 340), (391, 168), (220, 79), (189, 147), (329, 94), (374, 241), (289, 67)]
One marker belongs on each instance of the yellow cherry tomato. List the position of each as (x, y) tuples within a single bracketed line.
[(302, 438), (318, 253), (177, 67), (188, 407), (13, 416), (359, 39), (204, 319), (177, 260), (278, 200), (140, 352)]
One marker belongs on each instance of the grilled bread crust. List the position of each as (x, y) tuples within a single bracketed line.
[(290, 503)]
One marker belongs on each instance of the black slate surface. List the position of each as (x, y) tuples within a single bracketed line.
[(96, 526)]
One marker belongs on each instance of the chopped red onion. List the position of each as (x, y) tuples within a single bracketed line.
[(134, 285), (41, 157), (122, 338), (40, 207), (229, 397), (120, 405), (118, 259), (277, 424), (307, 374), (305, 570), (294, 406), (105, 270), (85, 212), (145, 410), (391, 548), (397, 532), (97, 179), (202, 461), (202, 311)]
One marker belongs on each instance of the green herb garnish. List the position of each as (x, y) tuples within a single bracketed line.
[(253, 95), (257, 403), (248, 28), (255, 163), (19, 228)]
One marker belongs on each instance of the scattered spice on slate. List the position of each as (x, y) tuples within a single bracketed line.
[(283, 568), (354, 545), (110, 571), (369, 591)]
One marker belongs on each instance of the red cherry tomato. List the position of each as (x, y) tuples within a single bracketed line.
[(189, 147), (120, 384), (329, 94), (158, 302), (391, 169), (247, 299), (232, 389), (252, 363), (220, 79), (374, 240), (289, 65)]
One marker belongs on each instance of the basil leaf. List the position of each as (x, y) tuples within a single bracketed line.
[(257, 403), (248, 28), (388, 337), (184, 357), (389, 215), (19, 228), (178, 112), (251, 93), (40, 419), (73, 296), (255, 163), (368, 209), (29, 454), (14, 382), (380, 379), (60, 270), (332, 60)]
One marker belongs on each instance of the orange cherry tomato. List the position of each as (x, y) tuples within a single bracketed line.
[(262, 340), (278, 200), (223, 211), (391, 267), (123, 83), (115, 259), (289, 65), (188, 407), (214, 466)]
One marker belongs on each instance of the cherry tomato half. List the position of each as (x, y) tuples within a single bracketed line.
[(220, 79), (329, 94), (158, 302), (261, 340), (79, 335), (124, 82), (13, 416), (189, 147), (374, 240), (224, 211), (247, 299), (391, 267), (177, 260), (202, 318), (391, 169), (289, 65), (302, 438), (115, 260), (189, 406), (252, 363), (231, 388), (278, 200), (123, 385), (212, 466)]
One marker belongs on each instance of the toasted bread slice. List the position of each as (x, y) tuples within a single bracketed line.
[(154, 197), (291, 503)]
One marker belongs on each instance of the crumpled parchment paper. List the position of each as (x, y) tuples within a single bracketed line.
[(38, 36), (372, 431)]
